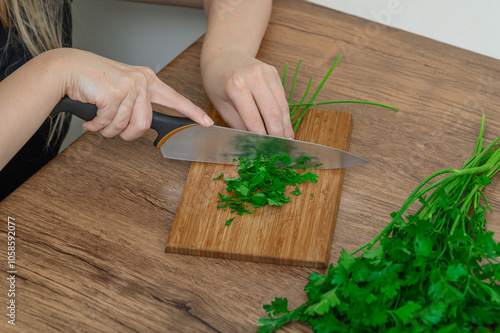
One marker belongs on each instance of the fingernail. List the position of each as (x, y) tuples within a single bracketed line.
[(208, 120)]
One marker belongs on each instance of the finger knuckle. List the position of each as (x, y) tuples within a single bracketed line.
[(113, 94), (128, 103), (273, 115), (142, 94), (141, 80), (143, 75), (106, 134), (257, 71), (143, 125), (126, 82), (273, 70), (120, 125), (283, 105), (146, 71), (236, 82), (253, 123), (101, 121), (126, 137)]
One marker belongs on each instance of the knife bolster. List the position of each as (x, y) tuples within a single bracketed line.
[(160, 141), (166, 126)]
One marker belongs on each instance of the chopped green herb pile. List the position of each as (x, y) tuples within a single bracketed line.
[(262, 181), (434, 271)]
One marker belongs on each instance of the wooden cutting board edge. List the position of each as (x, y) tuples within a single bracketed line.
[(246, 257)]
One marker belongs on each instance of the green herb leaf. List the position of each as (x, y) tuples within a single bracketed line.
[(296, 191), (407, 311), (310, 177), (219, 176), (278, 306)]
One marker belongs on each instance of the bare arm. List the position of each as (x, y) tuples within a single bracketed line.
[(35, 86), (246, 92), (122, 93), (236, 24)]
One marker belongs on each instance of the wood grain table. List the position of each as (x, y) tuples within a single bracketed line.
[(91, 227)]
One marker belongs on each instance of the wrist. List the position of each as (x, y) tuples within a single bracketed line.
[(57, 66), (213, 58), (213, 50)]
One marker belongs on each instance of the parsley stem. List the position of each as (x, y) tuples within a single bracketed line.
[(417, 193), (412, 198)]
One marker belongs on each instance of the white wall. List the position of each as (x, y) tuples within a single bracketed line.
[(470, 24), (134, 33)]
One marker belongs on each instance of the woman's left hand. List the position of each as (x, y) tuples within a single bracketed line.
[(248, 94)]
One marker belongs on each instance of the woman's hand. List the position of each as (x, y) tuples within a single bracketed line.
[(122, 93), (248, 94)]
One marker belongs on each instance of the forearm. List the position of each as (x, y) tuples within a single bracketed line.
[(234, 26), (246, 92), (28, 96)]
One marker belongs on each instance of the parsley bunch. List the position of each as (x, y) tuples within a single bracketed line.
[(262, 181), (433, 271)]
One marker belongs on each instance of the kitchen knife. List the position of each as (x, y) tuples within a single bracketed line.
[(183, 139)]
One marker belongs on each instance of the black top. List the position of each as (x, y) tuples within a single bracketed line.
[(35, 153)]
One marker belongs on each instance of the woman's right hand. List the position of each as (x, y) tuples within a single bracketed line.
[(122, 93)]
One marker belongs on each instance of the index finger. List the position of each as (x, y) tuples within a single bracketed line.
[(162, 94)]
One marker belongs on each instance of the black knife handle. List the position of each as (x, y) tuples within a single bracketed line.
[(163, 124), (85, 111)]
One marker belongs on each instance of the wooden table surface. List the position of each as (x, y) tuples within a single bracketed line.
[(91, 227)]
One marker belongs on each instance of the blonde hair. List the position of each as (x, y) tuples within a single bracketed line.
[(38, 26)]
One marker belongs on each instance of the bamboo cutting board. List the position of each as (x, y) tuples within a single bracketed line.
[(298, 233)]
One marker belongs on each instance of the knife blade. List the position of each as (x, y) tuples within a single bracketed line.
[(183, 139)]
